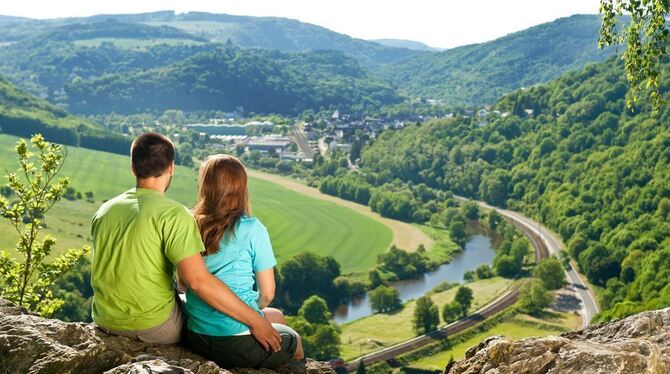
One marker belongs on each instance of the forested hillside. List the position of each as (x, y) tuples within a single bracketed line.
[(481, 73), (274, 33), (43, 63), (260, 81), (582, 163), (24, 115)]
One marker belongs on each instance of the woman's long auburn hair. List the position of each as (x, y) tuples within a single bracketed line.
[(223, 198)]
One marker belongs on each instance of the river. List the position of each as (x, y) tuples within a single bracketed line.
[(478, 251)]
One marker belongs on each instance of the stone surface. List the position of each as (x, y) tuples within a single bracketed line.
[(637, 344), (31, 344)]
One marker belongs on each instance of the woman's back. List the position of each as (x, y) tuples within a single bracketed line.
[(239, 257)]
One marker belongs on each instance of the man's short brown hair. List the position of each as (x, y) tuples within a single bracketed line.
[(151, 154)]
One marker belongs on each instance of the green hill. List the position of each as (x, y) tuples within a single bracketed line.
[(402, 43), (481, 73), (260, 81), (23, 115), (583, 164), (43, 62), (297, 223), (274, 33)]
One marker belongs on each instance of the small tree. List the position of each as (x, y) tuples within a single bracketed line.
[(464, 298), (315, 310), (325, 342), (494, 219), (451, 312), (375, 279), (385, 299), (426, 315), (471, 210), (27, 281), (534, 297), (550, 272), (361, 368)]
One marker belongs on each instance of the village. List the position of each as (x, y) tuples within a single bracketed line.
[(324, 134)]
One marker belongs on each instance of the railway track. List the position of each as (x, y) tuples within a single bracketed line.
[(496, 306)]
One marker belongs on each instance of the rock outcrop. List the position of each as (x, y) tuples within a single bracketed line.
[(636, 345), (31, 344)]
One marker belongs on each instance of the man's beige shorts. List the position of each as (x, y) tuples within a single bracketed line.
[(168, 332)]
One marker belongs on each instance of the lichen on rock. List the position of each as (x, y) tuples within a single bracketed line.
[(636, 345)]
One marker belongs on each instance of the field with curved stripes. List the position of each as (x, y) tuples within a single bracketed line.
[(296, 222)]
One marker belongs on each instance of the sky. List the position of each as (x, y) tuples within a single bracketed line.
[(438, 23)]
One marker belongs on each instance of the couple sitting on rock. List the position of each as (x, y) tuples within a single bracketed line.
[(222, 256)]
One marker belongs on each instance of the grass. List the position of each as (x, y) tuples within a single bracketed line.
[(444, 248), (371, 333), (297, 223), (217, 31), (518, 327), (131, 43)]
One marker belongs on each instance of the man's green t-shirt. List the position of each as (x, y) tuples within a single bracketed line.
[(138, 238)]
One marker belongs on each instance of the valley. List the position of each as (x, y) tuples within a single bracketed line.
[(418, 200)]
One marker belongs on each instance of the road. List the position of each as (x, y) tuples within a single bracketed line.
[(545, 243), (300, 139), (589, 307)]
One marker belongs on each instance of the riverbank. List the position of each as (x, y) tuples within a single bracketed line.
[(450, 263), (377, 331)]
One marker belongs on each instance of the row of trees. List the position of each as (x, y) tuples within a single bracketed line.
[(427, 316)]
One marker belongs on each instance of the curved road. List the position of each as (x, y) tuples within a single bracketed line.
[(544, 242), (589, 307)]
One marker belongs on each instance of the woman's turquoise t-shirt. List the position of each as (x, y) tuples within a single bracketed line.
[(239, 258)]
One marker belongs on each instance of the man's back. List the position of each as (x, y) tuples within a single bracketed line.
[(138, 237)]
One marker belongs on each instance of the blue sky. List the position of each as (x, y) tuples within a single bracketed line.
[(439, 23)]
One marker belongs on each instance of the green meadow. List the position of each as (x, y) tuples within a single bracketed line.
[(297, 223), (132, 43), (373, 332)]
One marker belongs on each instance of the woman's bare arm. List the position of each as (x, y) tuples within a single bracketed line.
[(266, 287)]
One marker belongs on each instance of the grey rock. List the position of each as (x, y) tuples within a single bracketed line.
[(637, 344), (31, 344)]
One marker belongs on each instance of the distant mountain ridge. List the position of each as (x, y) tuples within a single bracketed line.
[(43, 56), (282, 34), (481, 73), (403, 43)]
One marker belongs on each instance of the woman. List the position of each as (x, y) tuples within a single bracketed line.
[(238, 251)]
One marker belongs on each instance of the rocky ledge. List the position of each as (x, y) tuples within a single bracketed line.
[(637, 344), (31, 344)]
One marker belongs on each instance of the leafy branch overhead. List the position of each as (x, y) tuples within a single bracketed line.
[(645, 37), (26, 279)]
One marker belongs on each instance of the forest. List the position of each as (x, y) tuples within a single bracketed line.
[(568, 153), (228, 77), (480, 74)]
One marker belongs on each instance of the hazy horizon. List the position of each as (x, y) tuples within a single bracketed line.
[(437, 24)]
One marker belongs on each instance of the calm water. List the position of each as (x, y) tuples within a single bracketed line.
[(478, 251)]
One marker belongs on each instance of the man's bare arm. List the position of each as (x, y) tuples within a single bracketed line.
[(193, 273)]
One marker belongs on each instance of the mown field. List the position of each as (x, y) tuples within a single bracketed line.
[(517, 327), (382, 330), (131, 43), (297, 223)]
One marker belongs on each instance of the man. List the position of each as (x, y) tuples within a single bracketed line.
[(139, 238)]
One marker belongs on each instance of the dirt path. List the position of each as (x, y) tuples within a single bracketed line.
[(405, 236)]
